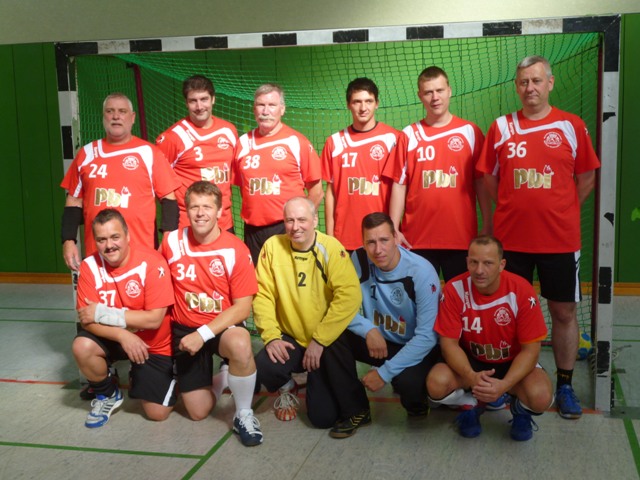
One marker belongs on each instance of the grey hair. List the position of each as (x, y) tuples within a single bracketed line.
[(532, 60)]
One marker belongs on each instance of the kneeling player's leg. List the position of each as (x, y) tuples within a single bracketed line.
[(93, 356), (154, 384), (235, 345), (411, 385), (275, 375), (442, 381), (91, 359), (194, 373), (339, 363), (534, 392), (322, 408)]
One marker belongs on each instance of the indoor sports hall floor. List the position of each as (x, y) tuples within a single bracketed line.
[(42, 433)]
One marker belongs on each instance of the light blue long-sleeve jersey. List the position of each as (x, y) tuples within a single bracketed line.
[(402, 304)]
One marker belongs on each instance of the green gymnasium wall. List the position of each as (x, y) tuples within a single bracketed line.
[(627, 266), (31, 201)]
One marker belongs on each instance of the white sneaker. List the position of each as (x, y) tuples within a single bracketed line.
[(286, 404), (102, 407)]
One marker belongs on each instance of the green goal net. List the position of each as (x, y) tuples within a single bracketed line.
[(314, 78)]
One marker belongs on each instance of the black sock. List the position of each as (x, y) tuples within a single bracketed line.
[(564, 377), (104, 387)]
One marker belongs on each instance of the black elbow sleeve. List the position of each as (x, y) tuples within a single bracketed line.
[(170, 215), (71, 220)]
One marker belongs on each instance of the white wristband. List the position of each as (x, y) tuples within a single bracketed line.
[(206, 333), (111, 316)]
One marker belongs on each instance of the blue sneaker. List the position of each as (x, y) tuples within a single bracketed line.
[(102, 407), (468, 423), (500, 403), (248, 427), (567, 403), (522, 425)]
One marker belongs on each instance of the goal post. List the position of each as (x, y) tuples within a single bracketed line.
[(314, 70)]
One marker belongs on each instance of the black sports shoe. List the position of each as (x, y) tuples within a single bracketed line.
[(346, 428), (419, 412)]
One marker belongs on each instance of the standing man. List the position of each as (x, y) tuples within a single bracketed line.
[(123, 295), (352, 163), (435, 180), (119, 171), (539, 167), (274, 164), (201, 147), (308, 293), (400, 292), (214, 282), (491, 330)]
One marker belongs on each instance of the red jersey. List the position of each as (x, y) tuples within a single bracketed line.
[(437, 164), (353, 162), (202, 154), (491, 328), (271, 170), (207, 278), (126, 177), (536, 161), (142, 284)]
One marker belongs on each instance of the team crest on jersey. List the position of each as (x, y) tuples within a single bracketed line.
[(376, 152), (133, 288), (396, 296), (223, 143), (502, 316), (216, 267), (552, 140), (130, 162), (279, 153), (455, 143)]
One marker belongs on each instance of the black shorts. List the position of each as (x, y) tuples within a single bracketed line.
[(501, 369), (559, 273), (194, 371), (451, 262), (254, 237), (153, 381)]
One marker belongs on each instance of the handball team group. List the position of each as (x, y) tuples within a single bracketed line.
[(400, 212)]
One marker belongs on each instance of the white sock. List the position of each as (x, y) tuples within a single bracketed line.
[(220, 380), (242, 389), (287, 387), (458, 397)]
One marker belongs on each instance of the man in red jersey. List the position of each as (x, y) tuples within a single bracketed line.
[(214, 282), (491, 330), (119, 171), (123, 295), (539, 167), (274, 163), (201, 147), (352, 163), (435, 180)]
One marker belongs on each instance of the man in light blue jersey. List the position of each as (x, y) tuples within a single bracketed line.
[(394, 334)]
